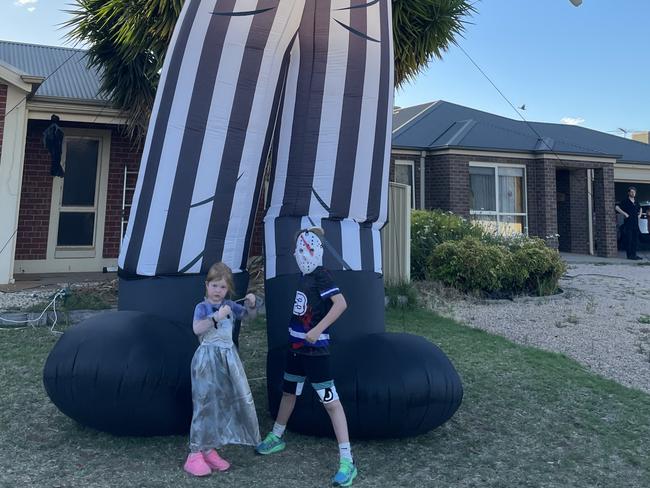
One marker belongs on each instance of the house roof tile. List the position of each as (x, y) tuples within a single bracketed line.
[(443, 124), (66, 69)]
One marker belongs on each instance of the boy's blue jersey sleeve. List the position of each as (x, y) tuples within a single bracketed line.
[(325, 284), (202, 311)]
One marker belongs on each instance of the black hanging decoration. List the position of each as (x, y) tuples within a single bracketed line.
[(53, 141)]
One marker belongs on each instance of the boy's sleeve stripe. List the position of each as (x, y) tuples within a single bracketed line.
[(331, 291)]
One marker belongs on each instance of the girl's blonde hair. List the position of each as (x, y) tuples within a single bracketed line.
[(220, 271)]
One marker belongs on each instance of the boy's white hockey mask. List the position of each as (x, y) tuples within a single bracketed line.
[(309, 252)]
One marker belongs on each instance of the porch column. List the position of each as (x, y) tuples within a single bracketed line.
[(605, 222), (546, 202), (579, 212), (13, 127)]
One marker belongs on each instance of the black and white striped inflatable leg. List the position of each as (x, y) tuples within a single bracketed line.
[(206, 150), (330, 159)]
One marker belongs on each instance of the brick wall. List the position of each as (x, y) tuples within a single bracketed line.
[(124, 153), (605, 217), (572, 210), (543, 192), (447, 188), (563, 185), (35, 197), (446, 181), (579, 211), (3, 108)]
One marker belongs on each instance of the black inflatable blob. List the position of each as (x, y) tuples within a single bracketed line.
[(126, 373), (391, 385)]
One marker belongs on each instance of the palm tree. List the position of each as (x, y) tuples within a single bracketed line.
[(128, 40), (424, 29)]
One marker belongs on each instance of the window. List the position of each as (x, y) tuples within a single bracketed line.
[(498, 197), (405, 174), (78, 202)]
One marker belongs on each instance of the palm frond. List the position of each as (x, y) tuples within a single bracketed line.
[(128, 40), (424, 29)]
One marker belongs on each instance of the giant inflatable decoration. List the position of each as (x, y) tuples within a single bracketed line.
[(301, 89)]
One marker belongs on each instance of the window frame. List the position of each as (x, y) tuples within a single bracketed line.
[(411, 163), (497, 213)]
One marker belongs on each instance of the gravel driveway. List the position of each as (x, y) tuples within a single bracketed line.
[(602, 319)]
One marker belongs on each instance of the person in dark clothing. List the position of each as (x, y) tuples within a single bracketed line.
[(53, 141), (631, 210)]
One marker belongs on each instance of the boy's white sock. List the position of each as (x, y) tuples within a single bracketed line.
[(345, 451), (278, 429)]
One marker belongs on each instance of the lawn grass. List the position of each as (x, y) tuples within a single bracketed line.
[(529, 418)]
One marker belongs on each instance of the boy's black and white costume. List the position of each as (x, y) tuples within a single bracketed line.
[(312, 303)]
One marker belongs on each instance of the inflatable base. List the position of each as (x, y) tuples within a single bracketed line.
[(390, 385), (126, 373)]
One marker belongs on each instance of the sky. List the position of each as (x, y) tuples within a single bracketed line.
[(583, 65)]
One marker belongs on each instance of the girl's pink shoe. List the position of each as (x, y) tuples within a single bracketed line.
[(196, 465), (215, 461)]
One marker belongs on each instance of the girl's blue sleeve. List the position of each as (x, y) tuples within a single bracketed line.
[(238, 310), (201, 311)]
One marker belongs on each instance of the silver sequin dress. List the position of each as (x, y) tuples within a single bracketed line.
[(223, 407)]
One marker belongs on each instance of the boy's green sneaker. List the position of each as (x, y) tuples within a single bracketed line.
[(271, 443), (346, 473)]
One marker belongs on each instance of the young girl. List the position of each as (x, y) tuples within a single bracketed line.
[(223, 408)]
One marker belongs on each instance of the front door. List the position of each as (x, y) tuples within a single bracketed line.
[(76, 233)]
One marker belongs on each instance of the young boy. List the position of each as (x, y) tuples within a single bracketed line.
[(317, 305)]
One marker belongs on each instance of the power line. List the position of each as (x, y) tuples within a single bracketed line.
[(590, 194), (10, 237), (509, 102), (530, 126)]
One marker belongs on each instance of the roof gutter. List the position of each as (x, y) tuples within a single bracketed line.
[(559, 154), (34, 81), (93, 112)]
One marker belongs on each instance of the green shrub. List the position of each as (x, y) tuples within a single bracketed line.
[(461, 254), (469, 265), (429, 229), (543, 267), (472, 265)]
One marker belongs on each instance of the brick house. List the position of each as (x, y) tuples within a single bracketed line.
[(536, 178), (75, 223), (51, 224)]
